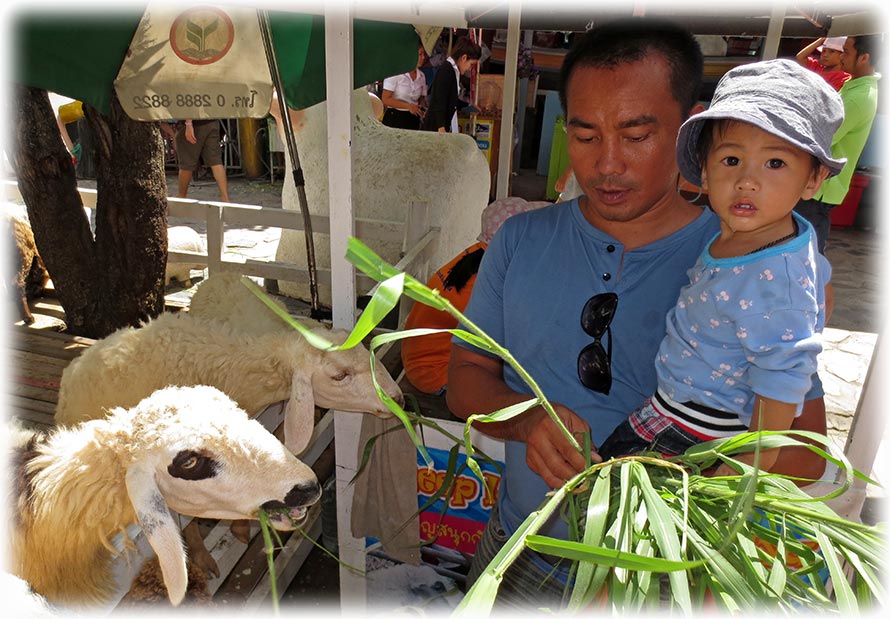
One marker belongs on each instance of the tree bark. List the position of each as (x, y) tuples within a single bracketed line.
[(117, 278)]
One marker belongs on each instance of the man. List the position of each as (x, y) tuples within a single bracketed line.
[(828, 65), (200, 139), (860, 97), (626, 89)]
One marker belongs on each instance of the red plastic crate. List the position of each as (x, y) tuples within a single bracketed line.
[(845, 213)]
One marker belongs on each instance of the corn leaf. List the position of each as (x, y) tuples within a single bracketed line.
[(732, 537), (590, 576), (663, 530), (846, 600), (479, 600), (630, 560)]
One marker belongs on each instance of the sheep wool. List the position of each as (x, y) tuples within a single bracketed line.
[(223, 297), (189, 449), (255, 371), (183, 238)]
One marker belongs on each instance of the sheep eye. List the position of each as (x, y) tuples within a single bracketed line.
[(341, 376), (192, 465)]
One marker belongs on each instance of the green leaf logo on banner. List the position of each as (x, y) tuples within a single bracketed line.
[(202, 35)]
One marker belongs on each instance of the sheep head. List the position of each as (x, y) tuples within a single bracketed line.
[(190, 449), (212, 462), (344, 379), (338, 379)]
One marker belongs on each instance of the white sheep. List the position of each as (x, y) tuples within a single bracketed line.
[(255, 371), (183, 238), (20, 600), (222, 296), (189, 449)]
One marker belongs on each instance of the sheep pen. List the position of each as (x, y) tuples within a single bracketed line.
[(189, 449)]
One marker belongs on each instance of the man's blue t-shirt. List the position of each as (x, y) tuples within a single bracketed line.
[(530, 301)]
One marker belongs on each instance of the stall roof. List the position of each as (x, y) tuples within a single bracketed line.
[(805, 19)]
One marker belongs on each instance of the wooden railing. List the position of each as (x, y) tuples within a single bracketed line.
[(417, 238)]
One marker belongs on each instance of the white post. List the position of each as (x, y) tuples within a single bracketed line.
[(216, 244), (866, 434), (339, 77), (774, 31), (505, 149), (522, 105)]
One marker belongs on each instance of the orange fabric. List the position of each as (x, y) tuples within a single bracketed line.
[(425, 358)]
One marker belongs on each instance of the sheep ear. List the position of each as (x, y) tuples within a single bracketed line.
[(299, 414), (160, 529)]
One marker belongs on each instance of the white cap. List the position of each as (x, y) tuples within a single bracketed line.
[(835, 43)]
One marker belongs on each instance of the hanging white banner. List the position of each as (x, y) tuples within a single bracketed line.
[(203, 62)]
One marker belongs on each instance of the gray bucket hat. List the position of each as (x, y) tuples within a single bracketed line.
[(779, 96)]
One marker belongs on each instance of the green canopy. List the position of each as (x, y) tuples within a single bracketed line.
[(78, 54)]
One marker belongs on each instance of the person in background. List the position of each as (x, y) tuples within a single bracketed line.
[(405, 97), (441, 115), (762, 145), (860, 98), (626, 87), (200, 139), (828, 65), (425, 358)]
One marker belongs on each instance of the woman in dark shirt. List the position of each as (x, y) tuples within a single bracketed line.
[(441, 115)]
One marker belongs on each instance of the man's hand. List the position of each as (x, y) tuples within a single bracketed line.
[(476, 385), (548, 451), (190, 134)]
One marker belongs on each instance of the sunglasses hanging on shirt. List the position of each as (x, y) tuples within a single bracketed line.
[(594, 361)]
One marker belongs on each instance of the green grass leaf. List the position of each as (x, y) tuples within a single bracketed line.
[(642, 516)]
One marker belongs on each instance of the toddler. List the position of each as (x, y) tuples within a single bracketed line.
[(742, 341)]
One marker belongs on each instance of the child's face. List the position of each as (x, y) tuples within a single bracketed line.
[(754, 179)]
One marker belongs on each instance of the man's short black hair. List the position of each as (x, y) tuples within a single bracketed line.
[(869, 44), (631, 39)]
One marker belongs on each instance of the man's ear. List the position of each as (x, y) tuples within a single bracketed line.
[(815, 182), (697, 109)]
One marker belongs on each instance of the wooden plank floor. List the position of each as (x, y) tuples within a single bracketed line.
[(37, 358)]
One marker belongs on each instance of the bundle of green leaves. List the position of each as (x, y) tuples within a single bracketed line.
[(655, 533)]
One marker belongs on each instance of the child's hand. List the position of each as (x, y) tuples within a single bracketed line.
[(722, 471)]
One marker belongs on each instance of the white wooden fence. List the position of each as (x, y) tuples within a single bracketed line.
[(417, 238)]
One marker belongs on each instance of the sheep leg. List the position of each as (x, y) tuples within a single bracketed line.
[(197, 552), (241, 530), (25, 312)]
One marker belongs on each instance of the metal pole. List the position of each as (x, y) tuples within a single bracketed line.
[(507, 113), (299, 180)]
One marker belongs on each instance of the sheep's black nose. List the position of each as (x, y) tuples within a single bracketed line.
[(303, 494)]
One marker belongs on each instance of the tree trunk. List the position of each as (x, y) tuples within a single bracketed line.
[(131, 217), (116, 279)]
